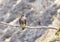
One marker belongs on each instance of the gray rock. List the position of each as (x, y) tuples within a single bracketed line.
[(9, 32), (28, 35)]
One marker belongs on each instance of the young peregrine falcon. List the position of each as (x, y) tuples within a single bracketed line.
[(22, 22)]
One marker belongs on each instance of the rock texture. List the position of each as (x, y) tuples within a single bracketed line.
[(38, 13)]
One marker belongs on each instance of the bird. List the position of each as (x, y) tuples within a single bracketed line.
[(22, 22)]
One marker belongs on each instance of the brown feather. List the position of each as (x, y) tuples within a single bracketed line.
[(22, 23)]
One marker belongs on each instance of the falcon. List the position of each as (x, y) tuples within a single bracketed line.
[(22, 22)]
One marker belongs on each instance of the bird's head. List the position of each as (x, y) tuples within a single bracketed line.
[(23, 17)]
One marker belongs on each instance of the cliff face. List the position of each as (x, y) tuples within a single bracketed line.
[(39, 26)]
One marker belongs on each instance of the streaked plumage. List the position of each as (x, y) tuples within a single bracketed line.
[(22, 22)]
